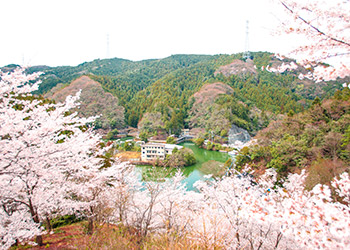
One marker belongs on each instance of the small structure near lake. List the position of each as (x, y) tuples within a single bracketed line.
[(154, 151)]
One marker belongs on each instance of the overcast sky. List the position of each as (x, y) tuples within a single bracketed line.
[(70, 32)]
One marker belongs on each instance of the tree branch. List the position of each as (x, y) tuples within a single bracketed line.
[(315, 28)]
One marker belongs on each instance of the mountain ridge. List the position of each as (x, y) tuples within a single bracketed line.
[(167, 85)]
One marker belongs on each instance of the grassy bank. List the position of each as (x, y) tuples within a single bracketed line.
[(108, 237)]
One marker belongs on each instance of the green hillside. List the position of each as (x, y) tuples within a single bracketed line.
[(167, 86), (119, 71), (317, 139)]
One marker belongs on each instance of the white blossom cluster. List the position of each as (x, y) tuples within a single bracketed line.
[(324, 27), (49, 168)]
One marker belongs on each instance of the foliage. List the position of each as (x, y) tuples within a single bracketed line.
[(209, 145), (243, 157), (167, 86), (232, 212), (171, 140), (49, 162), (112, 135), (130, 146), (325, 25), (144, 136), (180, 158), (151, 123), (301, 140), (199, 141), (94, 101), (223, 133), (256, 216), (64, 220), (323, 171), (236, 211)]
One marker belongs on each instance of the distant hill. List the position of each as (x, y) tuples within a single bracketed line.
[(93, 101), (166, 85), (117, 70)]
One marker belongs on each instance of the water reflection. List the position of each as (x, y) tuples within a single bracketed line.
[(208, 162)]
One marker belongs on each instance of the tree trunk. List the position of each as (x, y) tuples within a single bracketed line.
[(39, 238), (48, 224), (90, 228)]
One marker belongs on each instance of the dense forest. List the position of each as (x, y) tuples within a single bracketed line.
[(165, 88), (317, 139)]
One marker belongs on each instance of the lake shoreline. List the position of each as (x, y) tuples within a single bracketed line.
[(208, 162)]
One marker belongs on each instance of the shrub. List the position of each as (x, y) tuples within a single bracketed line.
[(180, 158), (171, 140), (64, 220), (223, 133), (112, 135), (199, 142)]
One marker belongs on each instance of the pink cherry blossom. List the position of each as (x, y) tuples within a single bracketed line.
[(324, 25)]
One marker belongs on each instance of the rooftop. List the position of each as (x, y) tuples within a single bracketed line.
[(167, 146), (172, 146)]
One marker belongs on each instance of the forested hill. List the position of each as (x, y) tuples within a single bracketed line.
[(139, 73), (317, 139), (167, 86), (93, 101)]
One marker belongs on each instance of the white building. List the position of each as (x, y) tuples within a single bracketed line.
[(153, 151)]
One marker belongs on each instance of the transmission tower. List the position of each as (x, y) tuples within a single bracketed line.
[(246, 53)]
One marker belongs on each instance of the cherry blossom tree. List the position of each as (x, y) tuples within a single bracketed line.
[(94, 192), (49, 164), (163, 206), (153, 206), (236, 213), (312, 218), (342, 186), (326, 27)]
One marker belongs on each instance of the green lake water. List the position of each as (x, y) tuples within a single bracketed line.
[(208, 162)]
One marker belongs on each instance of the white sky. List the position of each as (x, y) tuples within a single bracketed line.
[(70, 32)]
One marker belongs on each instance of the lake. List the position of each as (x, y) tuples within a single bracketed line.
[(208, 162)]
